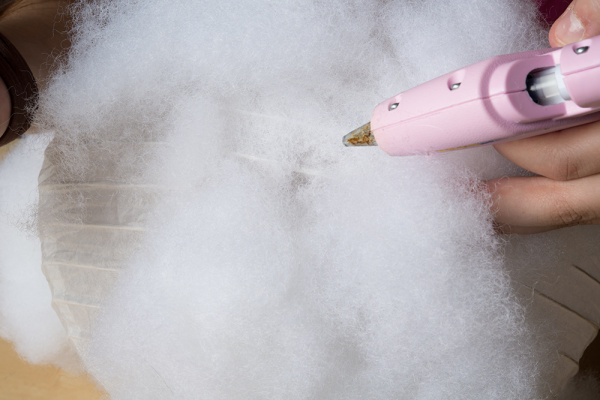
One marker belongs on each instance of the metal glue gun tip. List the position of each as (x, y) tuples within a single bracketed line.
[(360, 137)]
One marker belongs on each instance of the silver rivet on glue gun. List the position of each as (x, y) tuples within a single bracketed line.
[(581, 50), (454, 86), (393, 106)]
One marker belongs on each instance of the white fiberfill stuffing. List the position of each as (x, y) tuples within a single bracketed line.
[(26, 315), (207, 236)]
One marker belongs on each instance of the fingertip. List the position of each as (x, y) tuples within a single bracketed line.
[(504, 210), (579, 21), (553, 39), (523, 205)]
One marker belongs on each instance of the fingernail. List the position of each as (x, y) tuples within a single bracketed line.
[(569, 28)]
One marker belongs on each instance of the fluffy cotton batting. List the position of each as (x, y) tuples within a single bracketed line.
[(26, 316), (207, 236)]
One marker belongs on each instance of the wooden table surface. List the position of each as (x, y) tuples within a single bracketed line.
[(20, 380)]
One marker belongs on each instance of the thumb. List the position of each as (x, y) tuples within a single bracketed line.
[(580, 20)]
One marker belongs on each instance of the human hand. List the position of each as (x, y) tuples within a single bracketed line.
[(567, 192)]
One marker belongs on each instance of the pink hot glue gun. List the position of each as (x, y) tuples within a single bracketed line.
[(500, 99)]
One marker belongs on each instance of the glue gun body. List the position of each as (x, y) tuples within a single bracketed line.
[(500, 99)]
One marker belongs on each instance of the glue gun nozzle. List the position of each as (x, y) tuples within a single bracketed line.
[(360, 137)]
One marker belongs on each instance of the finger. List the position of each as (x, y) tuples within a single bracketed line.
[(580, 20), (526, 205), (522, 230), (563, 155)]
